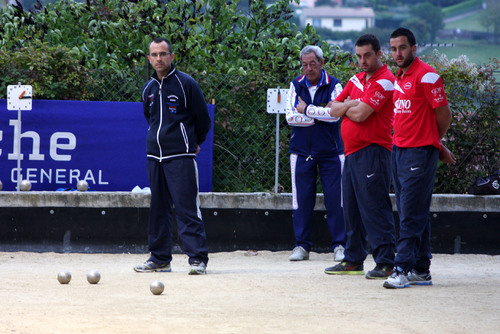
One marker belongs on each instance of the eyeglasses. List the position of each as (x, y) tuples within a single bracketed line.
[(161, 54)]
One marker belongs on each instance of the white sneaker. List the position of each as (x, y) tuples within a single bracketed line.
[(397, 280), (299, 254), (198, 268), (338, 253)]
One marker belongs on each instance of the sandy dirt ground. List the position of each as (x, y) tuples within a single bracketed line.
[(241, 293)]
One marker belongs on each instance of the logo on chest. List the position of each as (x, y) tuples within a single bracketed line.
[(402, 106), (172, 103)]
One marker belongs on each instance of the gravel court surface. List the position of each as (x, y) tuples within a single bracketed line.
[(242, 293)]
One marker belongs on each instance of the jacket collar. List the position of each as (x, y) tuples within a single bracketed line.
[(375, 75), (325, 79), (410, 69), (172, 70)]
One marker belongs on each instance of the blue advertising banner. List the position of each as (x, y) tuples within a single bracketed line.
[(103, 143)]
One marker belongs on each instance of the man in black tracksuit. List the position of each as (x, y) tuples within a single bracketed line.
[(179, 122)]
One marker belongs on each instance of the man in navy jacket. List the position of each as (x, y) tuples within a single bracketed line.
[(179, 122), (315, 146)]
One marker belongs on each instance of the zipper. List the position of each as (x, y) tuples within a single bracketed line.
[(161, 121)]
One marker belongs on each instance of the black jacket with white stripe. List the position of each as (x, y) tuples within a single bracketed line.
[(177, 115)]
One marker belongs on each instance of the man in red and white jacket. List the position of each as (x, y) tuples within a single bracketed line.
[(366, 131), (421, 118)]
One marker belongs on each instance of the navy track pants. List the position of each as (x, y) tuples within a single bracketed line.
[(304, 178), (368, 215), (414, 171), (174, 184)]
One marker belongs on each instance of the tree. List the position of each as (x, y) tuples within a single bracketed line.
[(207, 35), (425, 21)]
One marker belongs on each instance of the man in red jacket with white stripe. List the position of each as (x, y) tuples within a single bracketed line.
[(421, 118), (366, 132)]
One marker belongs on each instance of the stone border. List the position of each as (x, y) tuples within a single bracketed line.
[(214, 200)]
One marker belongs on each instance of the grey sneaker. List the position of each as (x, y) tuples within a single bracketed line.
[(338, 253), (397, 280), (150, 266), (299, 254), (198, 268), (416, 278)]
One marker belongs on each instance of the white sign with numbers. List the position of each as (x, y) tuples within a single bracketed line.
[(19, 97), (276, 100)]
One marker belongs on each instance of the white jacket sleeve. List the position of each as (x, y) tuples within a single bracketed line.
[(293, 117), (322, 113)]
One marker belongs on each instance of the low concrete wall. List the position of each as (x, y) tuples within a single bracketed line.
[(117, 222), (258, 201)]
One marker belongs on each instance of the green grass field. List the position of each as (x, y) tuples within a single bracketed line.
[(472, 23), (461, 7), (478, 51)]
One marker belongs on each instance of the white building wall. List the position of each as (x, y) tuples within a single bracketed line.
[(348, 24), (306, 3), (357, 24)]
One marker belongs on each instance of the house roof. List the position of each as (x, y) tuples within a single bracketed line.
[(327, 11)]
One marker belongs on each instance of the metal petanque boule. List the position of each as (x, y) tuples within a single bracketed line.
[(156, 287), (1, 185), (82, 185), (93, 277), (25, 185), (64, 277)]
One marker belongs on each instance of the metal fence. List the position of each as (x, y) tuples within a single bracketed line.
[(244, 133), (245, 137)]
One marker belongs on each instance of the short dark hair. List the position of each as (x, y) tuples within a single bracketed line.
[(404, 32), (369, 39), (158, 40)]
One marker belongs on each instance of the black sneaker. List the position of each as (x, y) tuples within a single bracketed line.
[(345, 268), (381, 271), (416, 278), (150, 266)]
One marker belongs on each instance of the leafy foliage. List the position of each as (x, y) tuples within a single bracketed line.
[(474, 135), (51, 71), (208, 36), (425, 21)]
